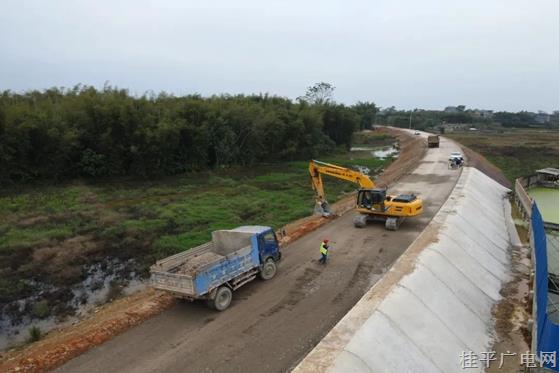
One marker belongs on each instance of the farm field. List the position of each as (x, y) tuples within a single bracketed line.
[(517, 152)]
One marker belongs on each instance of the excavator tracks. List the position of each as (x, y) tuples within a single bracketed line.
[(393, 224)]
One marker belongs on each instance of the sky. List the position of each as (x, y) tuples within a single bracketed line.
[(490, 54)]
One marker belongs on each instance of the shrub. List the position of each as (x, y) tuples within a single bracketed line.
[(35, 334), (41, 309)]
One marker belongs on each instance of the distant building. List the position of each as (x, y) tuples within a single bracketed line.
[(482, 114), (542, 117), (549, 175), (451, 127), (486, 114)]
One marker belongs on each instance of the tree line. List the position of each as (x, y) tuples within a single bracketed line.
[(425, 119), (422, 119), (59, 134)]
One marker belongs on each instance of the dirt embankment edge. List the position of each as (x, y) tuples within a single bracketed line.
[(64, 344), (478, 161)]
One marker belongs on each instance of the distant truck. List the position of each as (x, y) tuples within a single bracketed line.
[(212, 271), (433, 141)]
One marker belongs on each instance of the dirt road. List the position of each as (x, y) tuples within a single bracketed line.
[(272, 325)]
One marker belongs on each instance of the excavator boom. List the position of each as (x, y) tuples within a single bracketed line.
[(316, 168)]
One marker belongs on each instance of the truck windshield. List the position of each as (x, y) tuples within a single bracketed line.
[(270, 237)]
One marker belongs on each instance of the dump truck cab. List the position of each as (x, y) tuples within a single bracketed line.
[(268, 245), (264, 239)]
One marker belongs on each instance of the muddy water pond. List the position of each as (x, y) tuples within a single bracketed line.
[(103, 282), (378, 152)]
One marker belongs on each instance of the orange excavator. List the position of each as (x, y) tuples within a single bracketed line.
[(372, 203)]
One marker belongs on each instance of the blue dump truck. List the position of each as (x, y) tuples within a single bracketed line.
[(212, 271)]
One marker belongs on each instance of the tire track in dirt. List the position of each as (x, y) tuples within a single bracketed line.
[(361, 274), (297, 293)]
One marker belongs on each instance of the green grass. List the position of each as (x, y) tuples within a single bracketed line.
[(361, 159), (372, 139), (177, 215), (49, 200), (142, 225), (514, 167), (25, 237)]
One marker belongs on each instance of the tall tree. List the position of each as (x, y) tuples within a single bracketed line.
[(367, 111), (84, 132), (319, 94), (339, 124)]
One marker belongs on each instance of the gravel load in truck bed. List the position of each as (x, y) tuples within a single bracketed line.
[(193, 264)]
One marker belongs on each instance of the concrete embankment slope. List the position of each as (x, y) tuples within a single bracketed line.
[(436, 301)]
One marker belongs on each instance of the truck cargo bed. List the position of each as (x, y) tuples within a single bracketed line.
[(195, 272)]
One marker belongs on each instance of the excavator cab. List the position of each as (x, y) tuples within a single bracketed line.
[(371, 199)]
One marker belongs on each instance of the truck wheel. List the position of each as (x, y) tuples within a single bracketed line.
[(269, 269), (222, 299)]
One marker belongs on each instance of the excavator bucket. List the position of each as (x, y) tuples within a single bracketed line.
[(323, 209)]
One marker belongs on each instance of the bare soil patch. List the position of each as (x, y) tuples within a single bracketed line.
[(511, 316)]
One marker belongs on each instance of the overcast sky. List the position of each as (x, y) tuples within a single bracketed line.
[(492, 54)]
